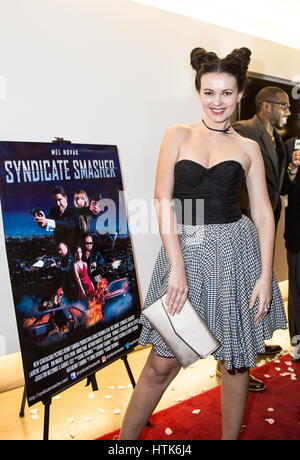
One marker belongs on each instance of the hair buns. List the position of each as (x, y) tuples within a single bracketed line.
[(236, 63), (239, 57), (200, 56)]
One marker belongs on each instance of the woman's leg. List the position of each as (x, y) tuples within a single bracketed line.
[(234, 400), (154, 379)]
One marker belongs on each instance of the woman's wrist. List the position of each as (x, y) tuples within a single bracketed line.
[(266, 276), (177, 265)]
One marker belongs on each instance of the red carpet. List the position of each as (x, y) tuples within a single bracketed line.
[(282, 395)]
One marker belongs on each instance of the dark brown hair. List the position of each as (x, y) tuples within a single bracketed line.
[(235, 64), (58, 190)]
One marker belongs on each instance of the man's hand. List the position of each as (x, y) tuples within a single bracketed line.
[(94, 208), (40, 219), (296, 158)]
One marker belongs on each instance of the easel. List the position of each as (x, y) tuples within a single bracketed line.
[(47, 404), (91, 380)]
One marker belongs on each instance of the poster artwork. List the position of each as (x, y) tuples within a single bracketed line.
[(70, 261)]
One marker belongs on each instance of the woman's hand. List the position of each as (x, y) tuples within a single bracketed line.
[(177, 290), (263, 292)]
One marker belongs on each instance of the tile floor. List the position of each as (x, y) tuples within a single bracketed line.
[(81, 414), (76, 414)]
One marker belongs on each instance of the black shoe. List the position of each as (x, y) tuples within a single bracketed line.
[(255, 385), (272, 350), (295, 360)]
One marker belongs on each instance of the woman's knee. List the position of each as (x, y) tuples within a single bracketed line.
[(162, 370)]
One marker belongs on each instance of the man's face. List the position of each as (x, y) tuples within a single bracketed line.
[(88, 243), (60, 201), (279, 110), (62, 250)]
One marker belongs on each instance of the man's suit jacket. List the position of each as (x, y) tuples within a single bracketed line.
[(275, 170), (67, 228), (292, 211)]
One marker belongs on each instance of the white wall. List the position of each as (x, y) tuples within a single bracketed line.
[(268, 19), (107, 72)]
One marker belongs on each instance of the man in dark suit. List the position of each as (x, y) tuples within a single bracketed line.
[(63, 220), (272, 112), (292, 243)]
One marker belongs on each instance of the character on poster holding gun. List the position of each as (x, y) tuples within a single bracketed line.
[(66, 221)]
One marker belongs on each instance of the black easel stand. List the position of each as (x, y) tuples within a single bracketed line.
[(47, 404), (124, 359), (91, 380), (21, 413)]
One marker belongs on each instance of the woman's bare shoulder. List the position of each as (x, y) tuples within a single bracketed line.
[(249, 146), (175, 135), (178, 131)]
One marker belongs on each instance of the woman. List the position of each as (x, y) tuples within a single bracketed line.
[(82, 202), (223, 266), (86, 288)]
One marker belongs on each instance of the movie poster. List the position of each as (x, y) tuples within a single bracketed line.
[(70, 261)]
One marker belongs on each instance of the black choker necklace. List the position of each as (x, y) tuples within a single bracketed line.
[(225, 131)]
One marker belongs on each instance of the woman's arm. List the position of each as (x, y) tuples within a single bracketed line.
[(164, 185), (263, 218)]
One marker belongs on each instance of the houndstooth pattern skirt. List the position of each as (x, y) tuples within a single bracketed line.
[(222, 266)]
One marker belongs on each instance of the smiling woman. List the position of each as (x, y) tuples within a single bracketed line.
[(223, 265)]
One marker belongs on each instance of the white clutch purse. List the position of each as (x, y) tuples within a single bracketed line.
[(186, 334)]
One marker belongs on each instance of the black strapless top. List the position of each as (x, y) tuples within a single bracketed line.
[(207, 195)]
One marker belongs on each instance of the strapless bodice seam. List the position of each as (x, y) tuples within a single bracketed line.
[(211, 167)]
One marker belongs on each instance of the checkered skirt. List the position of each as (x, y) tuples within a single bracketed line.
[(222, 266)]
